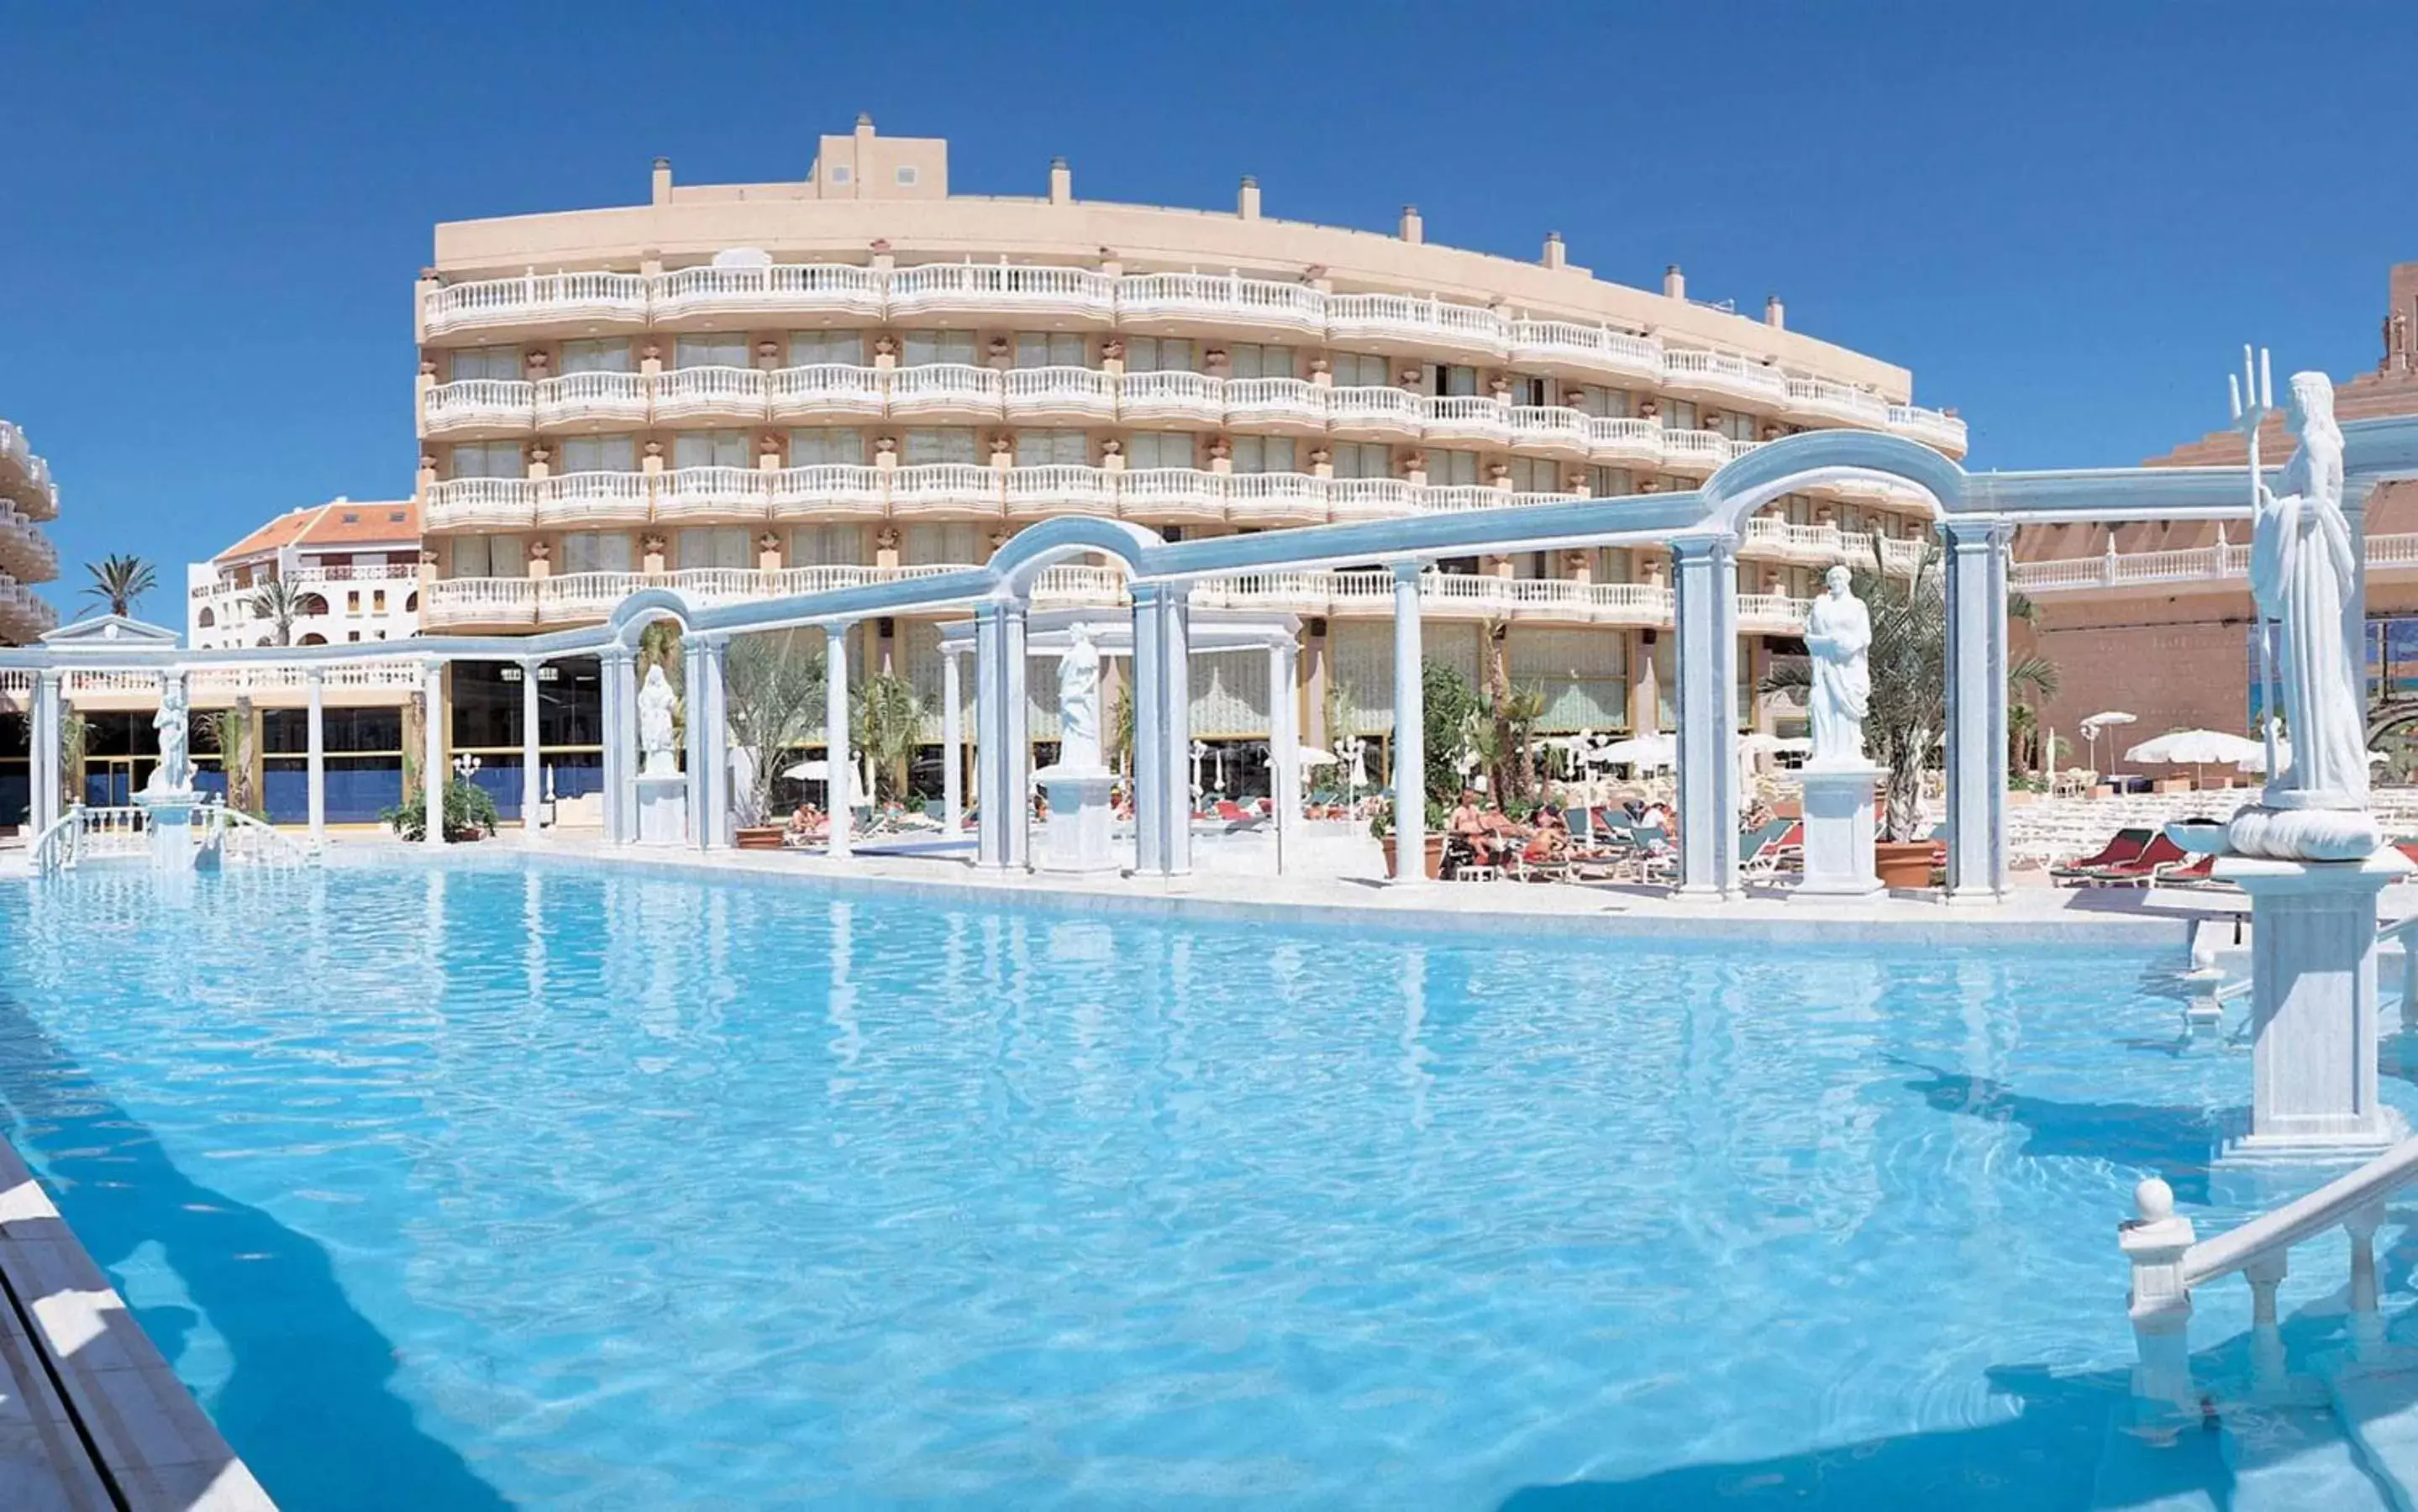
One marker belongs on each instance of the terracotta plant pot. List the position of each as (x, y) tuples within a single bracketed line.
[(1903, 864), (758, 837), (1435, 856)]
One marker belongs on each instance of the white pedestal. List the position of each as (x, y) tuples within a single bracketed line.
[(168, 821), (663, 810), (2313, 1013), (1839, 832), (1079, 834)]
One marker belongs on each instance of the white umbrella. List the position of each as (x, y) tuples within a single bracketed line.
[(2195, 749), (1311, 755), (1644, 751), (820, 770), (2092, 725)]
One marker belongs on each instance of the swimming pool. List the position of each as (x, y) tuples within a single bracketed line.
[(551, 1184)]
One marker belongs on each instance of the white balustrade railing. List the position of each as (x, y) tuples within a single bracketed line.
[(940, 386), (827, 487), (709, 390), (1275, 401), (1087, 392), (1549, 427), (242, 840), (1062, 488), (1592, 346), (534, 298), (1724, 373), (781, 288), (703, 493), (1170, 395), (578, 397), (1374, 408), (574, 498), (479, 402), (1466, 416), (825, 388), (481, 503), (1231, 295)]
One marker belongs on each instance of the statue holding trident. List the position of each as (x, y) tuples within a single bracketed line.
[(2304, 577)]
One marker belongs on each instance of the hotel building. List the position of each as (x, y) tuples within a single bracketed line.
[(749, 389), (353, 569), (2154, 619), (27, 499)]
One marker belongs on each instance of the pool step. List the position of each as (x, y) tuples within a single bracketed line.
[(2376, 1399), (2286, 1454)]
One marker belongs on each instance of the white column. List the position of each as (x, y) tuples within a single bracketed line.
[(1410, 730), (1977, 708), (1150, 791), (532, 784), (953, 741), (433, 774), (709, 742), (621, 667), (1284, 750), (314, 778), (837, 755), (991, 735), (1173, 638), (1706, 591), (46, 768)]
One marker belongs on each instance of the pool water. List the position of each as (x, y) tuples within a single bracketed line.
[(472, 1186)]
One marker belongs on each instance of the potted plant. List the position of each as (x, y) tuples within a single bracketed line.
[(773, 694), (1381, 824), (1908, 716)]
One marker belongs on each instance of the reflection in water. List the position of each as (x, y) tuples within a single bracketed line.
[(1416, 1079)]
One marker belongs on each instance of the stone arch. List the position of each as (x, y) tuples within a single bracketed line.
[(1787, 465), (1015, 565), (633, 615)]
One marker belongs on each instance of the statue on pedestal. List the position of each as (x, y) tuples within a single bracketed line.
[(655, 737), (1078, 703), (175, 773), (1838, 635)]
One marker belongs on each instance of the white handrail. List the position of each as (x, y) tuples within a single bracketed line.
[(55, 849), (241, 837), (2304, 1217)]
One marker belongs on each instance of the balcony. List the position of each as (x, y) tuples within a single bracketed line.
[(710, 395), (1465, 420), (1620, 441), (1080, 587), (478, 409), (1696, 453), (956, 490), (1060, 396), (1590, 354), (722, 493), (1406, 322), (1191, 401), (825, 391), (481, 504), (942, 389), (1720, 375), (1551, 429), (453, 602), (1373, 414), (25, 554), (1263, 498), (1289, 406), (1047, 296), (592, 402), (1771, 613), (810, 294), (830, 491), (1453, 498), (1930, 427), (586, 500), (1036, 493), (1368, 498), (1171, 495), (1260, 308), (1820, 400), (565, 303), (24, 477)]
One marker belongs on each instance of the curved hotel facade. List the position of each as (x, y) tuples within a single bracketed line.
[(29, 497), (758, 389)]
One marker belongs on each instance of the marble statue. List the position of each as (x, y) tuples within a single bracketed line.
[(1078, 703), (655, 738), (2304, 576), (175, 773), (1838, 634)]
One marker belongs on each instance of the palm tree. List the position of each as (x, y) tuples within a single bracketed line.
[(886, 724), (772, 689), (1907, 715), (280, 603), (120, 580), (231, 731)]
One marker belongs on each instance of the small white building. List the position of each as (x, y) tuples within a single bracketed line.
[(353, 566)]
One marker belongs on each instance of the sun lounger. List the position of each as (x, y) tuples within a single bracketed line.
[(2126, 847)]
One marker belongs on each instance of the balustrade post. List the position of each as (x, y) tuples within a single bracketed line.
[(953, 741), (838, 760), (2366, 1323), (315, 775), (2155, 1242), (1410, 730), (531, 789), (2265, 1274)]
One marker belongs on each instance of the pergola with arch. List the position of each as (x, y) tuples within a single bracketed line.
[(1701, 528)]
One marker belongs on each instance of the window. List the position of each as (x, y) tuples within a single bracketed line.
[(377, 600), (840, 173), (818, 447), (1447, 467), (1596, 400), (599, 454), (1050, 349), (827, 545), (606, 354), (1678, 414), (923, 545), (502, 362), (1611, 565), (1362, 459), (353, 596), (1449, 380), (921, 348), (924, 444), (1162, 354), (715, 349), (1533, 475), (473, 556), (1264, 453), (716, 545), (905, 175), (1043, 448), (808, 348), (1159, 449), (1531, 391), (1253, 360), (595, 551), (488, 459), (1359, 370), (1610, 483), (710, 449)]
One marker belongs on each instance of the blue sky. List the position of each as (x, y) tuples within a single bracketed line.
[(2065, 218)]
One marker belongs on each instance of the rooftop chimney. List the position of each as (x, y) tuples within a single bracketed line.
[(1413, 230), (663, 190), (1775, 315), (1555, 255), (1675, 284), (1246, 202), (1062, 182)]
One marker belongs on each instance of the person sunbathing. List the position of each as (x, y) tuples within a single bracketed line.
[(804, 824), (1469, 823)]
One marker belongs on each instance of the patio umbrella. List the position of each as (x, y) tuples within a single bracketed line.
[(820, 770), (1311, 755), (2092, 725), (1648, 751), (2195, 749)]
